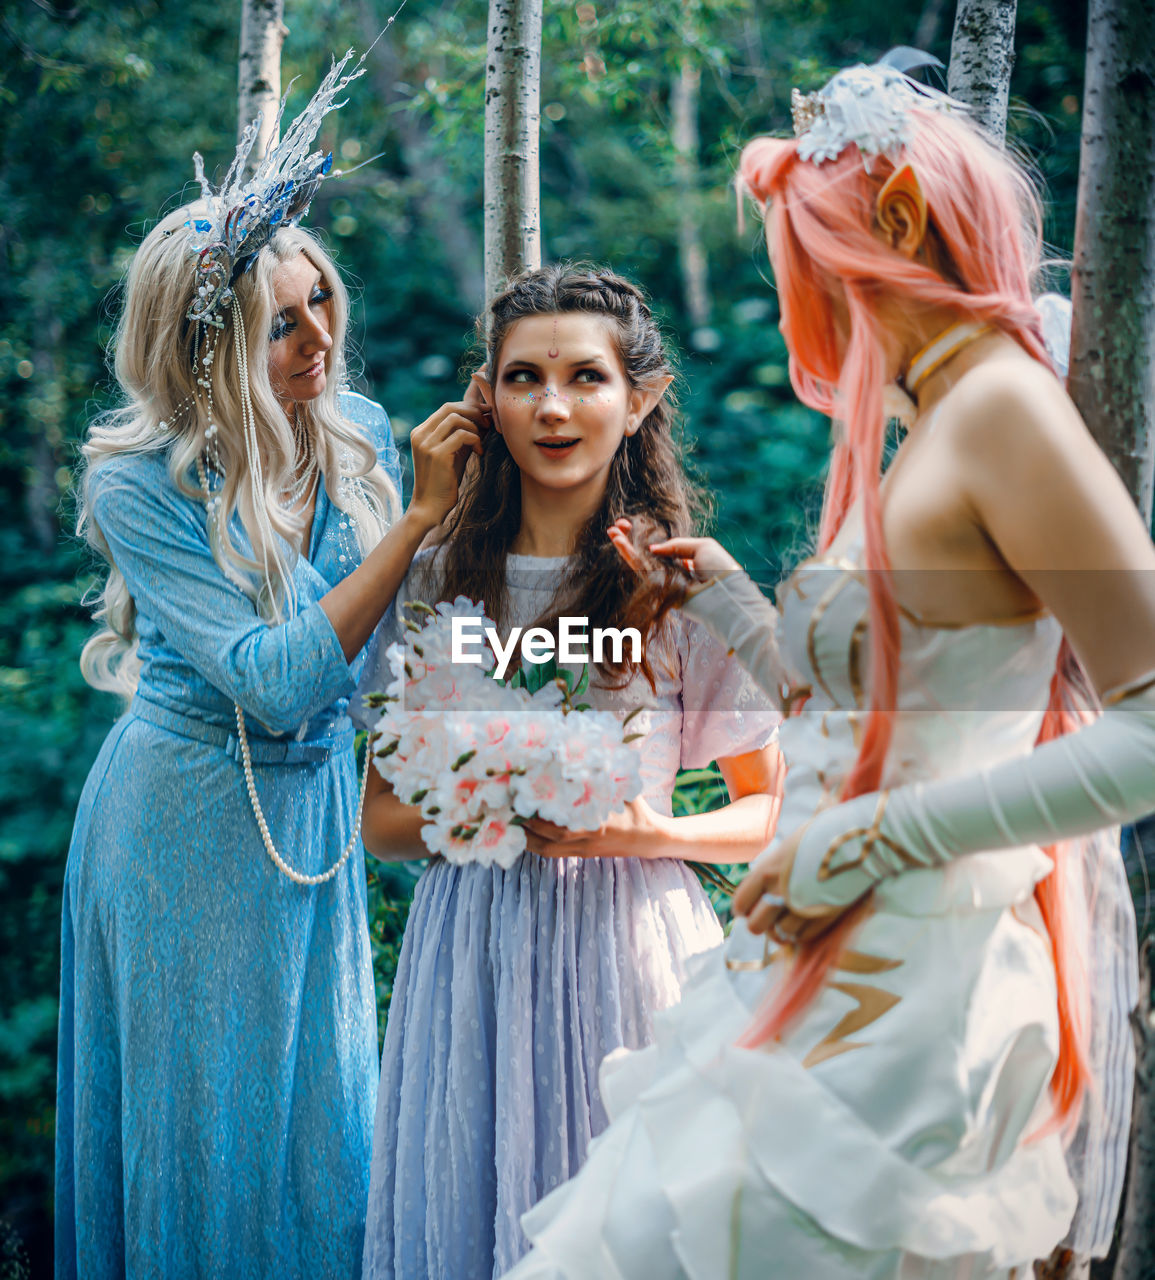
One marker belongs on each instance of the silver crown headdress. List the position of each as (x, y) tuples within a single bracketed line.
[(244, 215), (868, 106)]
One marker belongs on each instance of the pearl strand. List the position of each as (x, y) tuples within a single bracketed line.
[(259, 813), (279, 862)]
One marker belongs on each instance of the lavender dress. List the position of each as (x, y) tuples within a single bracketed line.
[(513, 985)]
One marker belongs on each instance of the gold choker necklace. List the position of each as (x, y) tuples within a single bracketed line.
[(939, 350)]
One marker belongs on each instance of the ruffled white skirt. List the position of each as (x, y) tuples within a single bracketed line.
[(895, 1133)]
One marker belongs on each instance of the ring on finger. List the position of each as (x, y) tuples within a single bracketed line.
[(787, 937)]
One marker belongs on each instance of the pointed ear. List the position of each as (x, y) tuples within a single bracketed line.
[(480, 388), (644, 400), (480, 391), (901, 211)]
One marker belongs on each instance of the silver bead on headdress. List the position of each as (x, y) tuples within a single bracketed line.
[(244, 215), (867, 106)]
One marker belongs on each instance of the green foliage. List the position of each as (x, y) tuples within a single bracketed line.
[(700, 791), (102, 106), (391, 887)]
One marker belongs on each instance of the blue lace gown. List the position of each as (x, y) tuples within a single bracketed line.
[(513, 985), (218, 1032)]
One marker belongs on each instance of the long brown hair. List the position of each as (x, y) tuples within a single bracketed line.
[(646, 479)]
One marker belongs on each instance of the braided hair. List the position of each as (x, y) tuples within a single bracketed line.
[(646, 481)]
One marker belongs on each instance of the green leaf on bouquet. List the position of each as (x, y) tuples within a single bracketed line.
[(388, 749), (583, 684), (462, 760), (641, 707), (539, 674)]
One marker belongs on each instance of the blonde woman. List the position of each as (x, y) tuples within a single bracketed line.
[(218, 1037)]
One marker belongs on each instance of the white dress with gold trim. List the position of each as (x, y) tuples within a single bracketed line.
[(896, 1131)]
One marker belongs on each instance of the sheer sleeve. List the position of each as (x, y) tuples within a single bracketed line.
[(281, 675), (724, 713)]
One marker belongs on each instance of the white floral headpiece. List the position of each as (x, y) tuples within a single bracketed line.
[(867, 106)]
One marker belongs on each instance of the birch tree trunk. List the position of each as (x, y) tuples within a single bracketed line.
[(263, 32), (1112, 380), (1112, 375), (982, 53), (512, 130), (1136, 1257), (691, 251)]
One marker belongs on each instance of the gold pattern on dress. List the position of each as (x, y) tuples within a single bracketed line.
[(871, 836), (861, 962), (816, 617), (1014, 620), (793, 694), (791, 584), (1123, 691), (872, 1003), (854, 659)]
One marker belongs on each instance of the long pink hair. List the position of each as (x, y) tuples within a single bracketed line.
[(985, 237)]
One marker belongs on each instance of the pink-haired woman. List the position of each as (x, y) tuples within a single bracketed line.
[(879, 1075)]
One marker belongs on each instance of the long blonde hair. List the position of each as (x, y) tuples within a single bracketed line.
[(159, 366)]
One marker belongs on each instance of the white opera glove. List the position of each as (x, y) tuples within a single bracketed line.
[(740, 617), (1099, 776)]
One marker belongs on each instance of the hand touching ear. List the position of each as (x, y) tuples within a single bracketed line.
[(480, 394)]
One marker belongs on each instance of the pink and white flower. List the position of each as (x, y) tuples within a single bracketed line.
[(477, 755)]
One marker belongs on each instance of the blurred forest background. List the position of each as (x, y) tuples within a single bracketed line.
[(645, 105)]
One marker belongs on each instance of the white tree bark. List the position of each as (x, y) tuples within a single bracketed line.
[(512, 131), (691, 251), (1112, 375), (1136, 1256), (263, 32), (982, 53), (1112, 380)]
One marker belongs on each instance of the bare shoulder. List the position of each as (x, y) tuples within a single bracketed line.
[(1030, 475), (1010, 403)]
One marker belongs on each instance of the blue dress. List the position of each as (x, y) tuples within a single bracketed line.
[(513, 985), (218, 1032)]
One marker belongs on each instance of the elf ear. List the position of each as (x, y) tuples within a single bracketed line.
[(644, 400), (901, 212), (480, 391)]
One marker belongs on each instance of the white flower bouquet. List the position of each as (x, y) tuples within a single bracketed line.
[(480, 756)]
